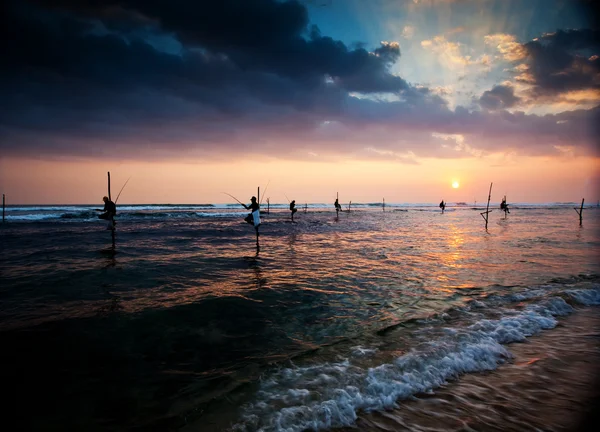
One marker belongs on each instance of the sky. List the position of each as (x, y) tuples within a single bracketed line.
[(371, 99)]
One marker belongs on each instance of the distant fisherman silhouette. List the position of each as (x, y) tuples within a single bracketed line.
[(253, 207), (293, 208), (504, 206), (443, 206), (337, 205), (110, 211)]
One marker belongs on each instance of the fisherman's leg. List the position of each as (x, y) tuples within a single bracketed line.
[(249, 219)]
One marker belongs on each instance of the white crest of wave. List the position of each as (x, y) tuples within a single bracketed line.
[(330, 395)]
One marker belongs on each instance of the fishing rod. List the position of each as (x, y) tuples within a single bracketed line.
[(122, 190), (286, 197), (234, 198), (265, 192)]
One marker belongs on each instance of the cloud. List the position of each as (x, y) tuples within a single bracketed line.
[(499, 97), (563, 61), (212, 80), (507, 45), (450, 54), (408, 32)]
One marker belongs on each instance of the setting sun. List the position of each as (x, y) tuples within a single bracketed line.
[(455, 184)]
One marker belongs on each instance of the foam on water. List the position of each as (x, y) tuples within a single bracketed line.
[(588, 297), (330, 395)]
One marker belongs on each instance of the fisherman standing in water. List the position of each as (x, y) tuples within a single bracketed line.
[(443, 206), (293, 208), (110, 210)]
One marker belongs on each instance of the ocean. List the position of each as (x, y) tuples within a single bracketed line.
[(403, 319)]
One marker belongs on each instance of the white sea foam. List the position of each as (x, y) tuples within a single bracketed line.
[(330, 395), (588, 297), (359, 351), (33, 217)]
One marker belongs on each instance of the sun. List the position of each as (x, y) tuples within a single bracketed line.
[(455, 184)]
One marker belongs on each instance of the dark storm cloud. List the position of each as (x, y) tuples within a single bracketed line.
[(90, 69), (566, 60), (155, 79), (499, 97), (266, 35)]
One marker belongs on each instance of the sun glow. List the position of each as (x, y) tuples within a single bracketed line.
[(455, 184)]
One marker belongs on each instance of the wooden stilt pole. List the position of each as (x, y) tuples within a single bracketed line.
[(337, 199), (3, 205), (383, 204), (487, 209), (349, 204), (111, 222), (580, 212), (268, 206), (305, 207), (258, 197)]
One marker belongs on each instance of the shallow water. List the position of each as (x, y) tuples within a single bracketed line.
[(184, 322)]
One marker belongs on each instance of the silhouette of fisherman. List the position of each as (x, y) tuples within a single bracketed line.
[(252, 207), (504, 206), (443, 206), (110, 211), (293, 208), (337, 205)]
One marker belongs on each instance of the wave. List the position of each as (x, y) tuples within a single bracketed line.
[(331, 394)]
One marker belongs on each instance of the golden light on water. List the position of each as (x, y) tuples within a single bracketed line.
[(455, 184)]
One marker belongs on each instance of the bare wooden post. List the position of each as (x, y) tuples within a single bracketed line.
[(305, 207), (349, 204), (268, 206), (487, 209), (337, 199), (3, 205), (383, 204), (109, 198), (580, 212), (256, 227)]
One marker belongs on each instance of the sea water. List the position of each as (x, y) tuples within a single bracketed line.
[(182, 323)]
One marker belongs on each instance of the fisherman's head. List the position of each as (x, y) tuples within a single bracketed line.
[(253, 199), (105, 199)]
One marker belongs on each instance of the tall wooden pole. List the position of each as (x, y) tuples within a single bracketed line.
[(109, 198), (580, 212), (258, 197), (487, 209), (268, 205), (3, 205), (383, 204)]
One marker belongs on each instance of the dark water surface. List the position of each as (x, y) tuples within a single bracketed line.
[(185, 325)]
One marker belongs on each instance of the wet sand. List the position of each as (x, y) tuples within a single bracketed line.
[(552, 384)]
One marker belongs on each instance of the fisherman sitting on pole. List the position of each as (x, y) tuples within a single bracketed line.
[(251, 216), (337, 205), (110, 210), (293, 208), (504, 206)]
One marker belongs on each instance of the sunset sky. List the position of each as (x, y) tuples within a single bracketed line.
[(368, 98)]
